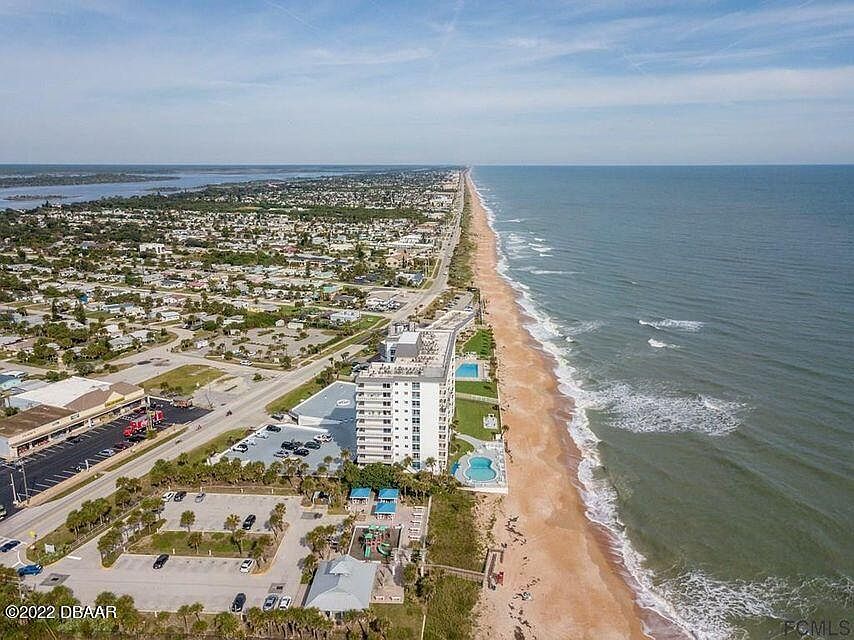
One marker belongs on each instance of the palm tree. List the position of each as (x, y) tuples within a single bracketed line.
[(194, 540), (183, 613), (237, 538), (232, 522), (226, 624), (188, 518)]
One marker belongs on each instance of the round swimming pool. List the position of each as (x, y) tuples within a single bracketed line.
[(480, 469)]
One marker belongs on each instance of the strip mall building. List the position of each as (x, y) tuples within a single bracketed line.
[(61, 409)]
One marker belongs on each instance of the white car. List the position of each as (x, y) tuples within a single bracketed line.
[(240, 448), (168, 496), (261, 434), (246, 565), (246, 363), (284, 602), (323, 437)]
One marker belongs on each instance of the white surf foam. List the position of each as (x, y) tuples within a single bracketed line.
[(598, 494), (676, 325), (656, 344), (667, 412)]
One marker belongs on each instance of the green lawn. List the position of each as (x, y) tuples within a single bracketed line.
[(481, 343), (449, 612), (294, 397), (469, 415), (220, 443), (405, 619), (218, 543), (183, 380), (453, 531), (478, 387), (459, 448)]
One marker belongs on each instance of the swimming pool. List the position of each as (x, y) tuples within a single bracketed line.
[(480, 469), (468, 370)]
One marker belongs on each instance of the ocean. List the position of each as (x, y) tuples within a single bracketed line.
[(703, 320)]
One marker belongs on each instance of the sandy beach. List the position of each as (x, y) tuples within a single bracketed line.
[(551, 549)]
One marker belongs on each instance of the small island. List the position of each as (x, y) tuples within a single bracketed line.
[(52, 180), (34, 197)]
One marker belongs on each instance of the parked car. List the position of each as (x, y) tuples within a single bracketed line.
[(200, 497), (169, 496), (73, 439), (246, 363), (161, 560), (270, 602), (323, 437), (240, 447), (180, 495), (121, 446), (9, 545), (312, 444), (278, 416), (285, 602), (137, 437), (107, 452), (289, 445), (246, 565), (261, 434), (29, 570), (281, 453), (302, 452), (239, 601), (249, 521), (273, 427)]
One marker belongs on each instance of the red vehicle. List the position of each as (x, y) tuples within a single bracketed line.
[(141, 423)]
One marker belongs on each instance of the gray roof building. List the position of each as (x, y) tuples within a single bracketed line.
[(342, 584)]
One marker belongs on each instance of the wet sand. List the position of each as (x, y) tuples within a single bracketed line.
[(550, 548)]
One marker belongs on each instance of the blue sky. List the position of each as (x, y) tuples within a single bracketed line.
[(610, 81)]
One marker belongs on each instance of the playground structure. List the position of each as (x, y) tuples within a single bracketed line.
[(375, 541)]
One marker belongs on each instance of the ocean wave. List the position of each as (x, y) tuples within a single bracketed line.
[(515, 220), (709, 604), (641, 412), (656, 344), (540, 248), (677, 325)]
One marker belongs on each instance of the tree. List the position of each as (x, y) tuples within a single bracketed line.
[(188, 519), (226, 624), (237, 538), (194, 540), (232, 522)]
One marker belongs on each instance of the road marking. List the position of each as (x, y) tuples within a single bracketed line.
[(46, 486), (74, 557)]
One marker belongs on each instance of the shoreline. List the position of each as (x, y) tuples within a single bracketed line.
[(579, 586)]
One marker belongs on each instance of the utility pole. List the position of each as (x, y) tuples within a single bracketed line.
[(14, 493)]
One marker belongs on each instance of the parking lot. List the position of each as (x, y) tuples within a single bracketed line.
[(184, 580), (216, 507), (264, 446), (51, 465)]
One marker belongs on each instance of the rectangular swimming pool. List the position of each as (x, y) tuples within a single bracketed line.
[(468, 370)]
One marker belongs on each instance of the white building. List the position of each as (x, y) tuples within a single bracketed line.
[(405, 405)]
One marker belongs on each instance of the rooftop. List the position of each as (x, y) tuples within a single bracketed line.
[(423, 353), (342, 584), (31, 419), (333, 404)]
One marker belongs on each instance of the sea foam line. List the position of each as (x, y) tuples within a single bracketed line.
[(598, 494)]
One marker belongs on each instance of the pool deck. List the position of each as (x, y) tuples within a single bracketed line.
[(482, 368), (495, 452)]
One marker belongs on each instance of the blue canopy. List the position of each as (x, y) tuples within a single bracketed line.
[(387, 508), (388, 494), (360, 493)]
